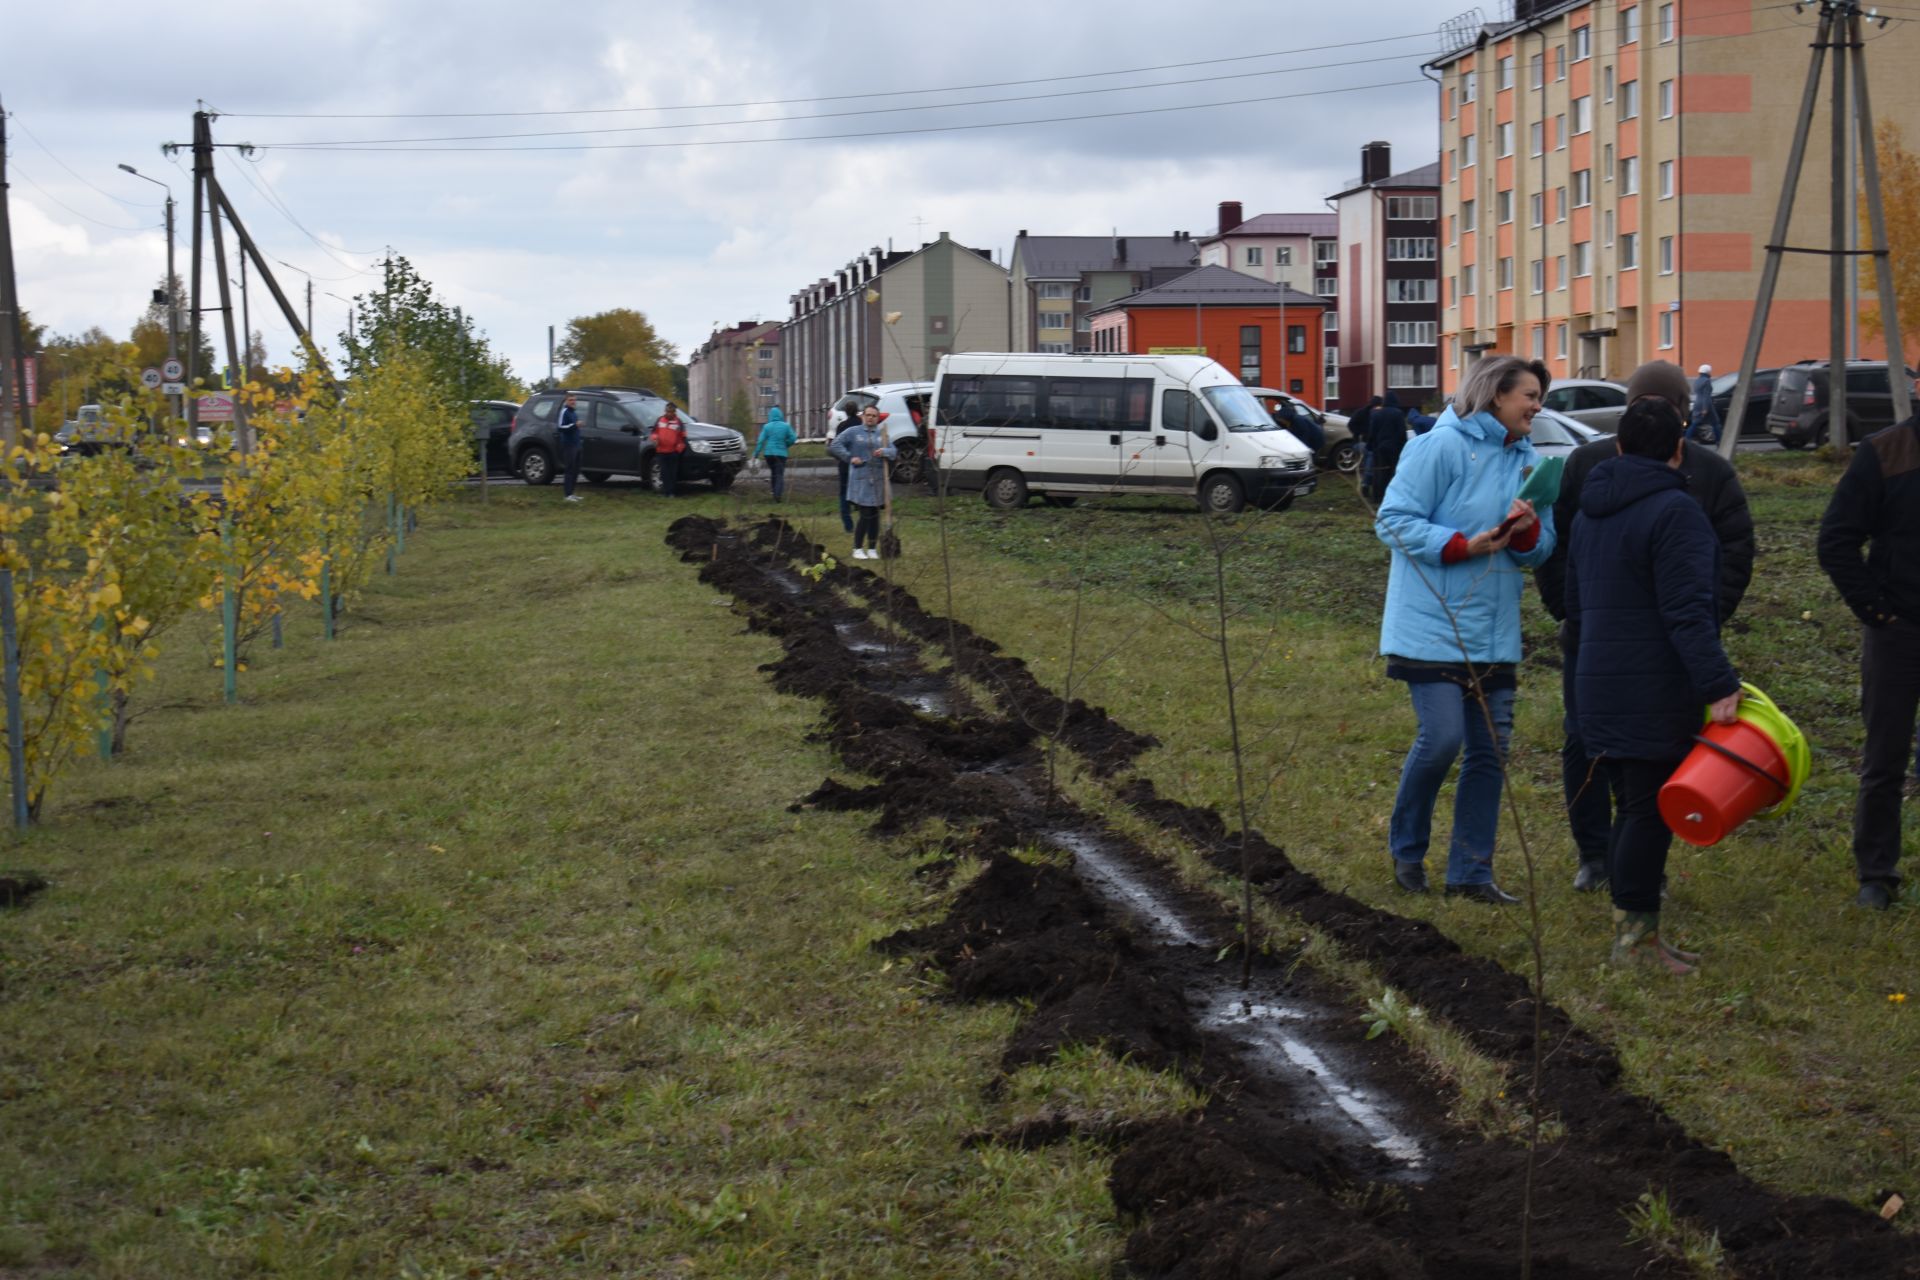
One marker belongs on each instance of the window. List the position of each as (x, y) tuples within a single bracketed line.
[(1630, 100), (1296, 339), (1410, 249), (1629, 250), (1469, 215), (1559, 204), (1083, 324), (1560, 271), (1503, 139), (1606, 163), (1453, 291), (1506, 274), (1326, 286), (1583, 259), (990, 400), (1330, 325), (1537, 207), (1453, 352), (1283, 255), (1630, 176), (1606, 220), (1453, 109), (1582, 188), (1560, 132), (1666, 99), (1630, 24), (1256, 256), (1399, 208), (1666, 255), (1559, 62), (766, 393), (1180, 411), (1666, 179), (1606, 84), (1053, 291), (1327, 252), (1469, 86), (1537, 138), (1582, 43), (1469, 151), (1560, 341), (766, 353), (1503, 207), (1539, 342), (1412, 333), (1583, 115), (1055, 348), (1250, 354), (1537, 71), (1453, 228), (1667, 31), (1666, 330), (1411, 291), (1083, 294), (1503, 73), (1539, 273), (1412, 375), (1054, 319), (1469, 278)]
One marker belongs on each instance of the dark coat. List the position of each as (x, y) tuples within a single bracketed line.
[(1641, 588), (1387, 431), (1877, 501), (1711, 481)]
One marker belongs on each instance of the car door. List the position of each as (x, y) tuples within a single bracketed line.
[(610, 439), (1181, 458), (1604, 407)]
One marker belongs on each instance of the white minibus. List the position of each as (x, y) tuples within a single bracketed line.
[(1012, 425)]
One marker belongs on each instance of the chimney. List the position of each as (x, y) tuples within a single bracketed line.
[(1119, 248), (1376, 162), (1229, 215)]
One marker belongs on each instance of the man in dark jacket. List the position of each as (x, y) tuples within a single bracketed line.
[(1876, 506), (1360, 427), (1711, 482), (1643, 583), (1387, 436)]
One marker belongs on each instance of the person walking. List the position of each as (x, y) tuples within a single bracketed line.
[(1876, 509), (1712, 482), (860, 448), (1704, 425), (669, 445), (1643, 587), (775, 439), (566, 427), (1387, 430), (1451, 630)]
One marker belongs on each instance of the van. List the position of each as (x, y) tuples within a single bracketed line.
[(1011, 425)]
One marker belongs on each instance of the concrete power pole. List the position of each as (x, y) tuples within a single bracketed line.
[(13, 379)]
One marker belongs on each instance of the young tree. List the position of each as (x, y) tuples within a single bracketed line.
[(404, 313), (1900, 192), (618, 348), (740, 411)]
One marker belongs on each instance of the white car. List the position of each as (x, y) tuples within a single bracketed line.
[(1589, 400), (1342, 451), (1555, 435), (905, 404)]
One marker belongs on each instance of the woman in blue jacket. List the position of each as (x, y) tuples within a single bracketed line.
[(776, 437), (860, 447), (1643, 576), (1460, 538)]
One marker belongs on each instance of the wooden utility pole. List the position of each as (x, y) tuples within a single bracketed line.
[(1840, 30), (13, 380)]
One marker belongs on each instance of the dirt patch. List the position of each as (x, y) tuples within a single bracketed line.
[(17, 888), (1264, 1181)]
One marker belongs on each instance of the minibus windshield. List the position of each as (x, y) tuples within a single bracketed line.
[(1235, 406)]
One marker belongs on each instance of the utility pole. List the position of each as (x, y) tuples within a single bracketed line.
[(13, 386), (1840, 30), (173, 298), (246, 327)]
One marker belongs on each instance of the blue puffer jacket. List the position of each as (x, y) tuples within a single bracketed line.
[(1459, 477), (776, 435), (1643, 573)]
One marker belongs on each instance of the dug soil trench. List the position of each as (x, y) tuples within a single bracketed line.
[(1320, 1153)]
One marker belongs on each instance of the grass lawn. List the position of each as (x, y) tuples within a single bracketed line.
[(481, 942)]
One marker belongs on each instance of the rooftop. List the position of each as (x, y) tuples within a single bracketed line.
[(1286, 224), (1063, 256), (1216, 286), (1427, 175)]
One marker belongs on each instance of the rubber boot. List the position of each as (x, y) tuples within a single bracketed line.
[(1636, 942)]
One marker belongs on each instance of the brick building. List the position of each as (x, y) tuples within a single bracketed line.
[(1389, 280), (1299, 250), (743, 358), (1058, 281)]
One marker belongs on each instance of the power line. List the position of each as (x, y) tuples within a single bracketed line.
[(131, 204), (14, 164), (279, 206)]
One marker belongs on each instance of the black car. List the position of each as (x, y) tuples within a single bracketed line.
[(1759, 400), (492, 424), (1801, 407), (616, 426)]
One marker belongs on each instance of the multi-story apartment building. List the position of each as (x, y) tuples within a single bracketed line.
[(1058, 280), (1298, 250), (1609, 173), (742, 359), (888, 317), (1388, 337)]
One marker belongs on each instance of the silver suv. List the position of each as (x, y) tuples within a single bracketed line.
[(905, 404)]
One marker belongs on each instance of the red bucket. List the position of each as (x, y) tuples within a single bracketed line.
[(1734, 772)]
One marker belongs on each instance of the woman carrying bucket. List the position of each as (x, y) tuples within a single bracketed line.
[(1642, 573)]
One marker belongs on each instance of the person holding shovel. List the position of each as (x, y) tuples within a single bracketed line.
[(1643, 588), (862, 447)]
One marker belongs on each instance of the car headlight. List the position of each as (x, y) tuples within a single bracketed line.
[(1273, 461), (700, 446)]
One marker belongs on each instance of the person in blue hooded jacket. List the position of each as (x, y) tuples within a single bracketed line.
[(775, 439), (1643, 586), (1460, 538)]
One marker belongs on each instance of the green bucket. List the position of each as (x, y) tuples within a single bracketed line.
[(1760, 711)]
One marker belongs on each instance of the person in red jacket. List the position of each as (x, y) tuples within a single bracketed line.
[(669, 442)]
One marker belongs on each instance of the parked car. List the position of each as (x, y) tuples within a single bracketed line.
[(1342, 451), (1598, 404), (905, 404), (1557, 435), (616, 426), (1759, 400), (492, 424), (1799, 415)]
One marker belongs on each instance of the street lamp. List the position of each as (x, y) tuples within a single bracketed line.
[(349, 301), (309, 275), (173, 311)]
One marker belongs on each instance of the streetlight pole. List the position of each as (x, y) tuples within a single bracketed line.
[(309, 275), (173, 296), (349, 301)]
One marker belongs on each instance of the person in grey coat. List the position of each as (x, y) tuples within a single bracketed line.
[(861, 447)]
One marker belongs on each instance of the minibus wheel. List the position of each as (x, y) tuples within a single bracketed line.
[(1006, 489), (1221, 495)]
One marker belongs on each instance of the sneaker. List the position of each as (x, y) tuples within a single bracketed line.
[(860, 553), (574, 497), (1874, 895)]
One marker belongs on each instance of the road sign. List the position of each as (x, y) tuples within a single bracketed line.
[(173, 371), (174, 388), (1176, 351), (215, 408), (150, 379)]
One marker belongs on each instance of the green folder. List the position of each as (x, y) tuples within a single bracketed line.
[(1542, 488)]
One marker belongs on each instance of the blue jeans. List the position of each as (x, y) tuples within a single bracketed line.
[(1450, 717), (777, 476)]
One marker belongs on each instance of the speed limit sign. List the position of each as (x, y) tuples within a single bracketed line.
[(150, 379), (173, 370)]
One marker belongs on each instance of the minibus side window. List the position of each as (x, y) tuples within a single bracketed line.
[(989, 400), (1180, 411)]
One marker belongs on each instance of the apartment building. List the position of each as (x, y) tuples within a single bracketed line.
[(744, 358), (1389, 300), (1609, 171), (887, 316), (1057, 281), (1300, 251)]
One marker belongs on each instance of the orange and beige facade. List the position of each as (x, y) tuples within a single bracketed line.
[(1609, 173)]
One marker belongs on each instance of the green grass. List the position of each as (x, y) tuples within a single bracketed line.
[(481, 942), (1786, 1051)]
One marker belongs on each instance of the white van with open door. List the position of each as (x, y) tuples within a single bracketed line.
[(1012, 425)]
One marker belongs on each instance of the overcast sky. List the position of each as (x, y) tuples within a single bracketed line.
[(690, 234)]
